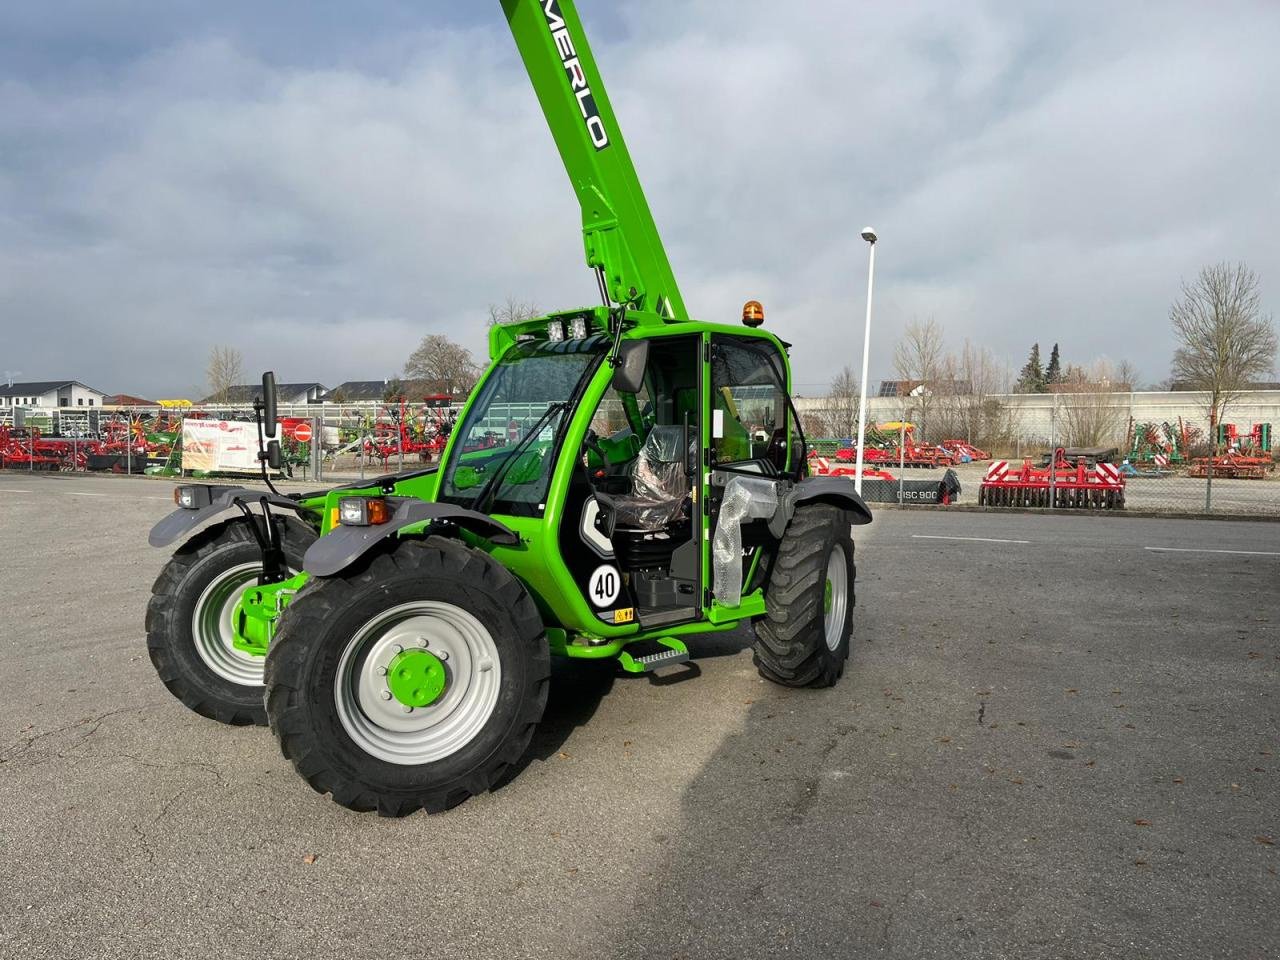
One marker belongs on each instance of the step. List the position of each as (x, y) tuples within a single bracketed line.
[(645, 656)]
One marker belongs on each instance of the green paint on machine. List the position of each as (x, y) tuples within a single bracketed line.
[(599, 446)]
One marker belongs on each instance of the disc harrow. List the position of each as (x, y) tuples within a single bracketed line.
[(1070, 486)]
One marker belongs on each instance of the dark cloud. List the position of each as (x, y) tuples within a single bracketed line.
[(321, 188)]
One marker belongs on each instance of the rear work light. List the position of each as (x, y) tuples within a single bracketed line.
[(363, 511), (578, 328), (555, 330)]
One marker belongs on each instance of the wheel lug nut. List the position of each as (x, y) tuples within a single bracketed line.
[(422, 642), (407, 709), (443, 655), (386, 694), (382, 671), (397, 648)]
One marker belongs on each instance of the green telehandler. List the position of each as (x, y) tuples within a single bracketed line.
[(621, 477)]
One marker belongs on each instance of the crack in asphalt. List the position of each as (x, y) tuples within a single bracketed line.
[(22, 746)]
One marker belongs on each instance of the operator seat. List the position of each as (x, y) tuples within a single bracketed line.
[(659, 485)]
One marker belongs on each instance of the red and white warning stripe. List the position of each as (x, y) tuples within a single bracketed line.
[(1160, 460), (1107, 472), (996, 472)]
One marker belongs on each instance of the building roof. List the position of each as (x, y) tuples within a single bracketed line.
[(913, 388), (126, 400), (36, 388), (357, 390), (249, 392)]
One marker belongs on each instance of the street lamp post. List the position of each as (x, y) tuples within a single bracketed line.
[(868, 235)]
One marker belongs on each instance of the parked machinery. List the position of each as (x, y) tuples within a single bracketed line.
[(1064, 485)]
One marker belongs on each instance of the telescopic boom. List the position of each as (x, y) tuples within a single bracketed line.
[(618, 230)]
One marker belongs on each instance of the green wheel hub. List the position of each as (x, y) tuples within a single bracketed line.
[(416, 677), (826, 597)]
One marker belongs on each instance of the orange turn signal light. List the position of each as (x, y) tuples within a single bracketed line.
[(379, 512), (752, 313)]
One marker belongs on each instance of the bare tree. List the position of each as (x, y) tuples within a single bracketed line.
[(393, 391), (1126, 376), (445, 366), (1224, 340), (917, 358), (226, 367), (840, 412), (964, 405), (1091, 414), (512, 311)]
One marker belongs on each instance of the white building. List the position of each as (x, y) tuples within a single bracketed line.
[(50, 394)]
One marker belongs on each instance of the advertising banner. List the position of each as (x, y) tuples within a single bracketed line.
[(219, 445)]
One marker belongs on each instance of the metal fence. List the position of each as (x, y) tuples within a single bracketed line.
[(1175, 465)]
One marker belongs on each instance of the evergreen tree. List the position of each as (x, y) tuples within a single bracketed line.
[(1031, 379), (1053, 372)]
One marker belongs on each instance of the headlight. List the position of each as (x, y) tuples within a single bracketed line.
[(363, 511), (193, 497), (578, 328), (555, 330)]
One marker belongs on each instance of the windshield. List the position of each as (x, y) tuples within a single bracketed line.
[(520, 411)]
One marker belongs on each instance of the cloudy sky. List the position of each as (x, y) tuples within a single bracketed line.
[(321, 184)]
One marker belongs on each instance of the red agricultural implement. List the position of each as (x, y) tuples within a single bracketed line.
[(1233, 466), (912, 454), (963, 451), (822, 467), (1065, 485)]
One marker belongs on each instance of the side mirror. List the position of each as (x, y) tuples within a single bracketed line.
[(269, 406), (628, 371), (273, 454)]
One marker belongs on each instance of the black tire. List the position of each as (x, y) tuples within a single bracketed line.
[(791, 638), (331, 614), (171, 638)]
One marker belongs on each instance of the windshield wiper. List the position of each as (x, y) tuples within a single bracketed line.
[(492, 485)]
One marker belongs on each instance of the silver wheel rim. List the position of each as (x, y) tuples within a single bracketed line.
[(383, 727), (838, 584), (213, 628)]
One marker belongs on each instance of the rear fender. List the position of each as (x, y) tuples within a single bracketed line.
[(182, 522), (343, 545)]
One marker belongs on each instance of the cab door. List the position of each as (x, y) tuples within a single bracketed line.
[(749, 433)]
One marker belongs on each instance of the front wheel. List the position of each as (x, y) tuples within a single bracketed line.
[(412, 683), (803, 638), (190, 618)]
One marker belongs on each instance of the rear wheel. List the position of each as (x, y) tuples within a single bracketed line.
[(412, 683), (189, 618), (803, 639)]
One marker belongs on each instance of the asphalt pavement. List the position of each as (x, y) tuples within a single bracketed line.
[(1057, 737)]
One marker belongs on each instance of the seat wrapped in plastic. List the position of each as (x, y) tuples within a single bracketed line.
[(745, 498), (659, 484)]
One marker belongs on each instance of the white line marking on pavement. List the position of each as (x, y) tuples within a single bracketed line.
[(926, 536), (12, 490), (1243, 553), (77, 493)]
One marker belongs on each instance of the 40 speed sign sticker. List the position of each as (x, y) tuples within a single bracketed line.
[(604, 585)]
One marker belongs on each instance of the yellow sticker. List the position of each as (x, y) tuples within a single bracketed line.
[(625, 615)]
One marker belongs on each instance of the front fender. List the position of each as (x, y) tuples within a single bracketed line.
[(835, 490), (182, 522), (343, 545)]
